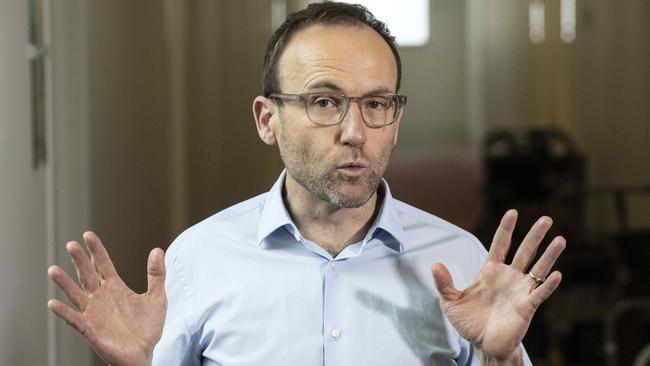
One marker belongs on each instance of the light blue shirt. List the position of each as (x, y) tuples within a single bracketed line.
[(245, 288)]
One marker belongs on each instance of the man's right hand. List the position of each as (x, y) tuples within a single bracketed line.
[(121, 326)]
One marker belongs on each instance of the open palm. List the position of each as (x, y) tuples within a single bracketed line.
[(494, 312), (121, 326)]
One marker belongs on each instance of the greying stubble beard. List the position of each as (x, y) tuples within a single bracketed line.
[(299, 163), (328, 189)]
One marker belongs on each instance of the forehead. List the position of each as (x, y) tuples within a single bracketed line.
[(354, 58)]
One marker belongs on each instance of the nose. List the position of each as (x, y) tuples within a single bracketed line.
[(353, 129)]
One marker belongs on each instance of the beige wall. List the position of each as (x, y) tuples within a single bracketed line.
[(611, 76), (227, 160), (23, 322), (127, 120), (110, 132), (436, 163), (69, 99), (435, 120)]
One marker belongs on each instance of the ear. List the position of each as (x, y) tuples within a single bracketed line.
[(265, 113)]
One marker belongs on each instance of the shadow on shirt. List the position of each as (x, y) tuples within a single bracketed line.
[(421, 323)]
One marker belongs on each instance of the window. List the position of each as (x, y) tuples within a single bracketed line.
[(408, 20)]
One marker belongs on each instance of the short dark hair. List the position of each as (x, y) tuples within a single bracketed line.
[(331, 13)]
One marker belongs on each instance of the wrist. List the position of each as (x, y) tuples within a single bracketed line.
[(149, 360), (515, 359)]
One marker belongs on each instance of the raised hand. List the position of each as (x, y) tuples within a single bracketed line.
[(121, 326), (494, 312)]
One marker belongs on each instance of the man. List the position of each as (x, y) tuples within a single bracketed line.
[(326, 268)]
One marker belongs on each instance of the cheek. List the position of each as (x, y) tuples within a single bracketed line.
[(300, 136), (295, 146), (385, 140)]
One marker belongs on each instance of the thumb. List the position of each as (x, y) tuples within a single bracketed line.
[(156, 272), (444, 282)]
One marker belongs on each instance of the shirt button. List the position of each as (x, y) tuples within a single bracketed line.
[(335, 333)]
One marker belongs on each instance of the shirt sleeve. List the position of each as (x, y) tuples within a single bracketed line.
[(475, 361), (178, 345)]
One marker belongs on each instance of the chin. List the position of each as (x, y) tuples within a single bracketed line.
[(345, 199)]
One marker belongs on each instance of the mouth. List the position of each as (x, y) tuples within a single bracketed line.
[(352, 169)]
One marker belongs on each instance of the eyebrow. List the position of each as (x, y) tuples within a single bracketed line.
[(326, 85), (330, 85)]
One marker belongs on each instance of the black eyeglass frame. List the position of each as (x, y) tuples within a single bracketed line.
[(401, 102)]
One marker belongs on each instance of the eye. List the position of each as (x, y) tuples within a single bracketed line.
[(324, 101), (377, 103)]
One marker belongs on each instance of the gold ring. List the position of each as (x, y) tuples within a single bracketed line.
[(539, 280)]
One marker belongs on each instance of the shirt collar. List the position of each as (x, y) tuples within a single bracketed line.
[(274, 213), (387, 227)]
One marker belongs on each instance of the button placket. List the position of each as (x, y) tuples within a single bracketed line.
[(332, 331)]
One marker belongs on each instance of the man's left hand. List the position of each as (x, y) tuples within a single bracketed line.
[(494, 312)]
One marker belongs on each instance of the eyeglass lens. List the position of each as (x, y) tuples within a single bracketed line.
[(328, 109)]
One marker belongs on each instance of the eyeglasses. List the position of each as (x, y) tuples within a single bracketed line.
[(328, 109)]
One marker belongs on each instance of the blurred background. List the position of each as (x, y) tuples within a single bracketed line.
[(133, 119)]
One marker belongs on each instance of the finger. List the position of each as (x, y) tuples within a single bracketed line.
[(66, 313), (68, 286), (541, 293), (88, 277), (503, 237), (99, 256), (545, 263), (156, 272), (444, 282), (526, 251)]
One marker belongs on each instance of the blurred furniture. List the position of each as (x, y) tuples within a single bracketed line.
[(539, 172), (627, 326)]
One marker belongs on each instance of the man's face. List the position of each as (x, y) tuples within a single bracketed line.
[(340, 164)]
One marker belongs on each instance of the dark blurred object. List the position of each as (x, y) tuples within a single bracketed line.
[(627, 325), (541, 172), (532, 168), (584, 345), (627, 331), (633, 244)]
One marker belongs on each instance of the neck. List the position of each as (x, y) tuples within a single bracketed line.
[(331, 227)]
